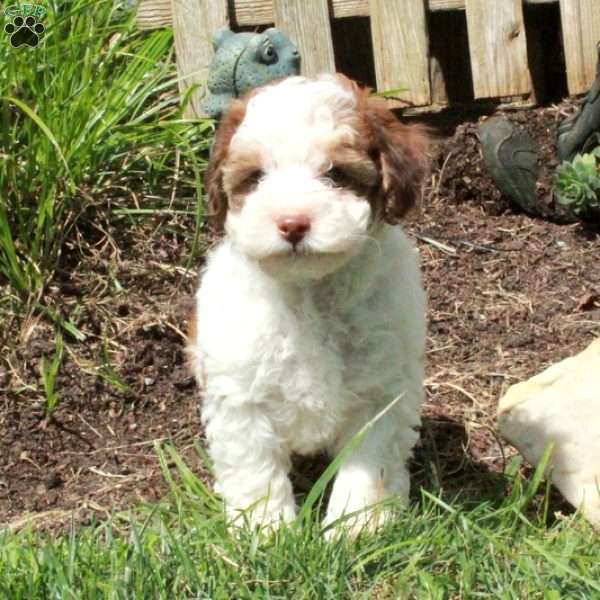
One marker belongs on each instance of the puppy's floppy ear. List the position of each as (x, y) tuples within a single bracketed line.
[(213, 177), (401, 151)]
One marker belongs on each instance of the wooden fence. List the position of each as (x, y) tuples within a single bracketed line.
[(501, 62)]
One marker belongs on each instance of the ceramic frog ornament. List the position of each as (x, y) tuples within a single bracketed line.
[(244, 61)]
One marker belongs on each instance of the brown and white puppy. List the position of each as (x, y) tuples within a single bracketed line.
[(311, 312)]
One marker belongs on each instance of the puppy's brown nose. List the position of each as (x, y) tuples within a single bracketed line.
[(293, 229)]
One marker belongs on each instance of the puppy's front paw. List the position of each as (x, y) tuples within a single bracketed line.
[(369, 520), (267, 516), (356, 503)]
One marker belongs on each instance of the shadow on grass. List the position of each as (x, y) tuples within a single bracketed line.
[(443, 466), (443, 463)]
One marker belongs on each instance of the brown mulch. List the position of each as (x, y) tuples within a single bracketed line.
[(122, 390), (509, 295), (465, 178)]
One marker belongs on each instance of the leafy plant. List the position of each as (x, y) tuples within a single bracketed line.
[(49, 374), (392, 93), (577, 184), (108, 372)]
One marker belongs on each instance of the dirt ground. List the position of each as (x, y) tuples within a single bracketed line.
[(508, 296)]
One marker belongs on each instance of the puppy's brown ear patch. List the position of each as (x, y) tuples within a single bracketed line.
[(401, 151), (192, 330), (213, 177)]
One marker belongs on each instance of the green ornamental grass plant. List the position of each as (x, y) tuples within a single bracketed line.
[(95, 99)]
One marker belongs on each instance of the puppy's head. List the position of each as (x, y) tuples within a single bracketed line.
[(303, 170)]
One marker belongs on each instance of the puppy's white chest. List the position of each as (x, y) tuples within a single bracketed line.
[(313, 396)]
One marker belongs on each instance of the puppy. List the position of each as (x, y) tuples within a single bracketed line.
[(310, 312)]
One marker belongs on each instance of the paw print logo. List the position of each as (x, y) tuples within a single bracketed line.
[(24, 31)]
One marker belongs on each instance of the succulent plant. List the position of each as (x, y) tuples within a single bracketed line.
[(577, 185)]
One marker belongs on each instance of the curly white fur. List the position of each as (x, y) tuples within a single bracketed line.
[(298, 348)]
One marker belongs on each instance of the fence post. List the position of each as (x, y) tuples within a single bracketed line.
[(306, 22), (401, 48), (194, 23), (498, 48), (581, 32)]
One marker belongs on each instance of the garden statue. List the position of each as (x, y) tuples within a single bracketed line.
[(512, 159), (581, 131), (244, 61)]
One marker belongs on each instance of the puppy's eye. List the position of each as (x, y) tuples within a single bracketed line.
[(246, 183), (337, 177), (254, 177)]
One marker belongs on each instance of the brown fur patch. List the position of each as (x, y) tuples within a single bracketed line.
[(192, 330), (357, 166), (241, 177), (213, 178), (399, 150)]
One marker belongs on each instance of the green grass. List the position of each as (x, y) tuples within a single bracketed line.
[(87, 119), (182, 549)]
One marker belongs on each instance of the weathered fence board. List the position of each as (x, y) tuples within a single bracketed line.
[(258, 12), (251, 13), (157, 13), (581, 33), (307, 23), (194, 23), (401, 48), (153, 14), (498, 48)]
